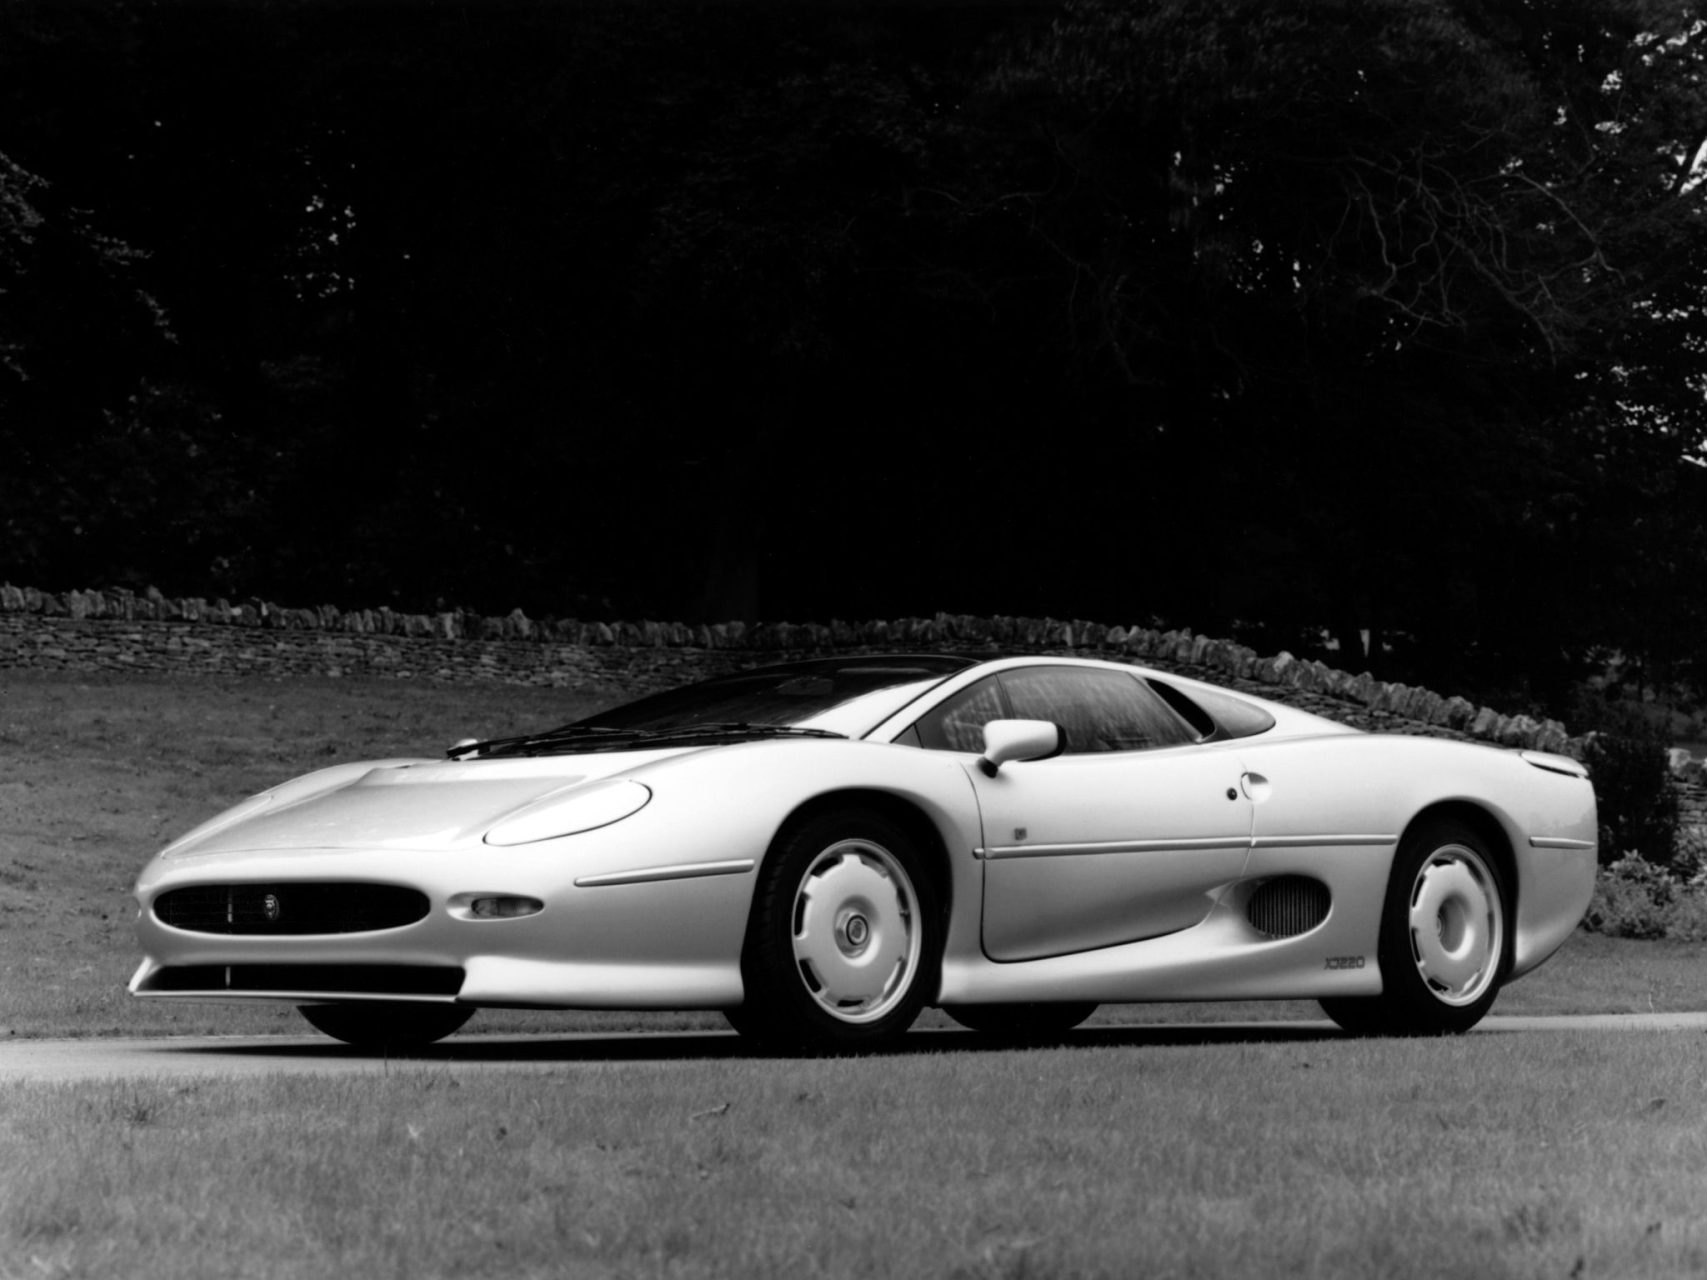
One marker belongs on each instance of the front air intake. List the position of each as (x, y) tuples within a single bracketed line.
[(295, 908), (313, 979), (1287, 906)]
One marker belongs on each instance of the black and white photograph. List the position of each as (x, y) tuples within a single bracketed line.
[(942, 639)]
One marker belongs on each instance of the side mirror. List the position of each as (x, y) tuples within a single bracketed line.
[(1006, 740)]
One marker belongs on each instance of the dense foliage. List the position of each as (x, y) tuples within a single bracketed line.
[(1637, 800), (1380, 319), (1635, 898)]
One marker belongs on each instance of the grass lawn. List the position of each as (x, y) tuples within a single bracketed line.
[(96, 773), (1557, 1155)]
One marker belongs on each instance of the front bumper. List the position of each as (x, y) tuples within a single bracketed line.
[(670, 942)]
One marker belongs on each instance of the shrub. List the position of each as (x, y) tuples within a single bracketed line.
[(1688, 918), (1638, 801), (1631, 899), (1689, 856), (1634, 898)]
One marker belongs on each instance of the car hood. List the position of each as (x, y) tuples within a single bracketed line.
[(390, 804)]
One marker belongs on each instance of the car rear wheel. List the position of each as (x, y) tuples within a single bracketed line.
[(386, 1026), (1026, 1023), (845, 938), (1444, 947)]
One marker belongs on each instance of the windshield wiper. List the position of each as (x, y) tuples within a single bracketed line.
[(565, 733), (745, 729), (595, 737)]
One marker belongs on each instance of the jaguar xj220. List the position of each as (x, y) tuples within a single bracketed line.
[(821, 849)]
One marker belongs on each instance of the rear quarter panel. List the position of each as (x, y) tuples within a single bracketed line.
[(1321, 791)]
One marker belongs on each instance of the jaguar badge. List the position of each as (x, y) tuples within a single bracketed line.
[(271, 908)]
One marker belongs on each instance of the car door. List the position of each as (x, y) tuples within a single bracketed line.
[(1126, 835)]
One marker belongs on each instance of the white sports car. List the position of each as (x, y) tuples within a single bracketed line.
[(821, 849)]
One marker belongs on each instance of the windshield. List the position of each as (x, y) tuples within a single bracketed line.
[(847, 695)]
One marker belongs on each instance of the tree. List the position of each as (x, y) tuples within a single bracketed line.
[(1382, 318), (77, 326), (1376, 262)]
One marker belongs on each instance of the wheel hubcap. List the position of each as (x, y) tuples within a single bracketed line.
[(1457, 931), (853, 933), (856, 931)]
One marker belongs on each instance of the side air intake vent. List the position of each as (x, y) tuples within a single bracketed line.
[(1288, 906)]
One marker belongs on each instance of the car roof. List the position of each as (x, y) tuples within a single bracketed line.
[(924, 664), (1288, 721)]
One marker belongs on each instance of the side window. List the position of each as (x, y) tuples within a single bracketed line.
[(1100, 710), (1236, 717), (1187, 710), (958, 724)]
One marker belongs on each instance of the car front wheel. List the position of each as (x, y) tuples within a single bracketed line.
[(1444, 947), (845, 938), (386, 1026)]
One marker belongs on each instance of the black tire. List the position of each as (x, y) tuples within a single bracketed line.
[(1445, 943), (386, 1026), (1360, 1015), (1022, 1023), (743, 1020), (844, 943)]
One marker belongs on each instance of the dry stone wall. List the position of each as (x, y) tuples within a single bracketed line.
[(120, 630), (1690, 775)]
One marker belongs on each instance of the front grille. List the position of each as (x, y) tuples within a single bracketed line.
[(332, 979), (276, 909), (1288, 906)]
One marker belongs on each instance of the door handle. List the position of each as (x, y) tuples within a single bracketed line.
[(1255, 786)]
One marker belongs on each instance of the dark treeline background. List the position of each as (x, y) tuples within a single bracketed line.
[(1277, 320)]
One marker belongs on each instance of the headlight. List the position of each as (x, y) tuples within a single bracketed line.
[(585, 809)]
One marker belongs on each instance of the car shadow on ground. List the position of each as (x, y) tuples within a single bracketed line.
[(675, 1046)]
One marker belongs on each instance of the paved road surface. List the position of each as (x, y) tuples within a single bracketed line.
[(233, 1056)]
